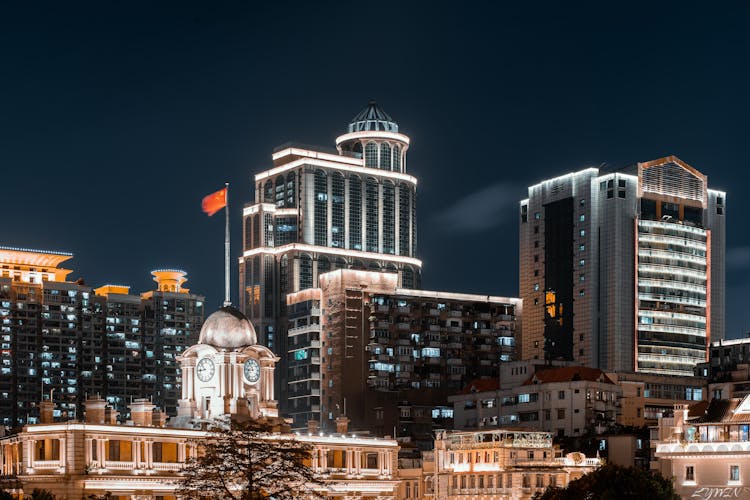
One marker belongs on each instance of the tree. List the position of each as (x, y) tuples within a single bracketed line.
[(247, 461), (614, 482), (38, 494)]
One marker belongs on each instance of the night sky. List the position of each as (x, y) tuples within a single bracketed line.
[(117, 117)]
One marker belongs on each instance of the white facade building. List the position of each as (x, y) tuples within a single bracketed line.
[(706, 450), (623, 270)]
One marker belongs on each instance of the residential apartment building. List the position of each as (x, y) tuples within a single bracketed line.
[(388, 357), (623, 270), (68, 339), (563, 400)]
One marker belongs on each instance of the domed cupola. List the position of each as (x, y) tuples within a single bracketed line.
[(227, 328), (374, 137), (373, 118)]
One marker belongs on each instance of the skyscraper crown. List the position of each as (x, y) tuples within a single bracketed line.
[(373, 118)]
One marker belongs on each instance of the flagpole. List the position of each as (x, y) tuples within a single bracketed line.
[(227, 302)]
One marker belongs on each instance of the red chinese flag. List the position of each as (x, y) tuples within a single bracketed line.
[(215, 202)]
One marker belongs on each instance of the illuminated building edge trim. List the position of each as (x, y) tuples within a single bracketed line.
[(331, 251), (365, 171)]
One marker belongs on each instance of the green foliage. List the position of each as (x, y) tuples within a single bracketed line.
[(247, 461), (614, 482)]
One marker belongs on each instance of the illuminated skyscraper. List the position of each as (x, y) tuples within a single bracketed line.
[(623, 270), (317, 210)]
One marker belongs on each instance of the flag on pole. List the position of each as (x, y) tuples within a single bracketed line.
[(215, 202)]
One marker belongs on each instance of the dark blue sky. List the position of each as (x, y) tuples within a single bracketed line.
[(116, 118)]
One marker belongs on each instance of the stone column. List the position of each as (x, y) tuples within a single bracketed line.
[(63, 452), (136, 453), (87, 452), (30, 453), (102, 443), (323, 458), (149, 454)]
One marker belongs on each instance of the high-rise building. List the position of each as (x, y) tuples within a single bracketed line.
[(388, 357), (145, 334), (67, 340), (623, 270), (318, 210)]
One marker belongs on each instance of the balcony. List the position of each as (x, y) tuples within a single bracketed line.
[(167, 466)]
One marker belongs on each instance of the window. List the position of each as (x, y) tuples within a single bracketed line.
[(582, 262), (689, 473), (582, 277), (537, 215), (581, 248), (560, 413), (583, 232), (561, 395), (536, 244), (582, 203), (536, 258), (581, 217), (734, 472), (581, 292)]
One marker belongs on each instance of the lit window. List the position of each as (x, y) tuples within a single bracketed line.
[(583, 232), (581, 217), (734, 472), (582, 262)]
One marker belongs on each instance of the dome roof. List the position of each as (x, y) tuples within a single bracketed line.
[(227, 328), (373, 118)]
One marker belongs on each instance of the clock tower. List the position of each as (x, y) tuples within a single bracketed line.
[(227, 372)]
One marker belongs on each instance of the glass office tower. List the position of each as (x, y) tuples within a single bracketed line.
[(319, 209)]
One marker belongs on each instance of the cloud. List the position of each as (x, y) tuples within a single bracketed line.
[(481, 210), (738, 258)]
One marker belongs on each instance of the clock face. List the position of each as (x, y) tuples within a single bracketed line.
[(205, 370), (252, 370)]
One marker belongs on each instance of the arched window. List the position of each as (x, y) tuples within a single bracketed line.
[(278, 195), (385, 156), (396, 158), (291, 190), (373, 266), (305, 272), (358, 264), (371, 155), (390, 268), (371, 217), (268, 192), (321, 208), (337, 210), (404, 215), (355, 213), (389, 216)]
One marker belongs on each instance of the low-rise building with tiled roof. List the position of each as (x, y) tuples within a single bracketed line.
[(562, 400)]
